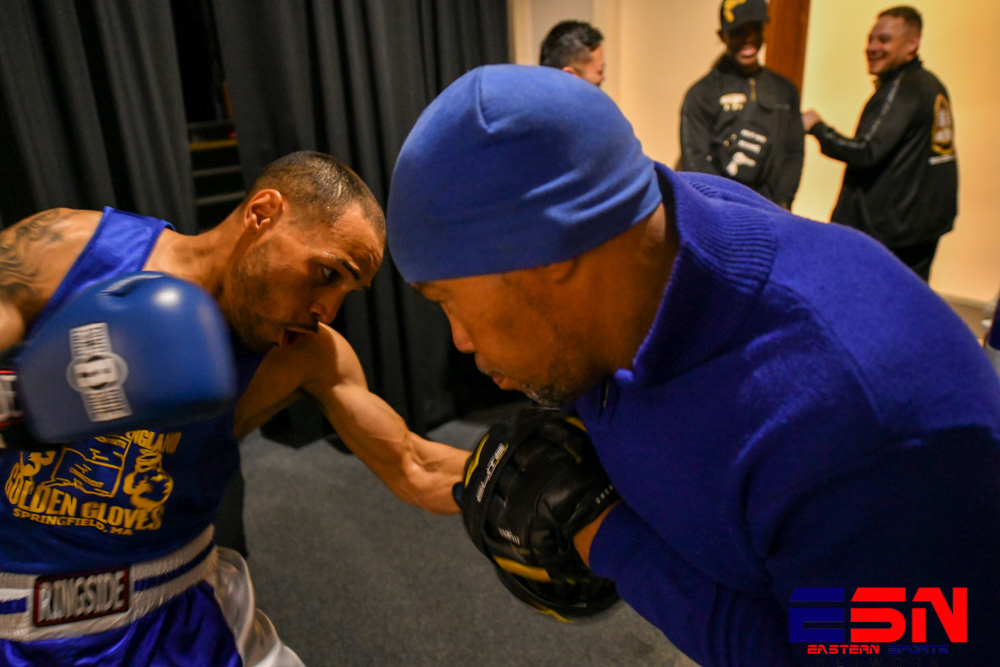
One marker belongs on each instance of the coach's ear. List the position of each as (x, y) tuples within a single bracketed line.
[(264, 207), (542, 282), (559, 272)]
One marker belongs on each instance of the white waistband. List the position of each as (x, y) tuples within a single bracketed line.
[(148, 585)]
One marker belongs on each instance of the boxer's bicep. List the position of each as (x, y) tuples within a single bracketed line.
[(276, 385), (417, 470), (319, 365), (251, 414), (366, 423)]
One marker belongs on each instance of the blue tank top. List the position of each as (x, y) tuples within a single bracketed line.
[(111, 501)]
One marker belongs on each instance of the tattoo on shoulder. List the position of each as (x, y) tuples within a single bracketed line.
[(23, 249)]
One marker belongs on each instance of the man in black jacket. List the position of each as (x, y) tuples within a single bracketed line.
[(901, 181), (741, 119)]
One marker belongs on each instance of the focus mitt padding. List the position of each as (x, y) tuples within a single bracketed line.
[(532, 484)]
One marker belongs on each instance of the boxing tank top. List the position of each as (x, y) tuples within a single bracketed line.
[(125, 498)]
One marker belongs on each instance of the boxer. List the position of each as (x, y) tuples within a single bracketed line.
[(106, 551)]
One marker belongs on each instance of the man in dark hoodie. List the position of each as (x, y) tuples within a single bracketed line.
[(740, 120)]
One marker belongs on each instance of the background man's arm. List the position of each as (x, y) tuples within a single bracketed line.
[(325, 366), (894, 117), (697, 117), (792, 156)]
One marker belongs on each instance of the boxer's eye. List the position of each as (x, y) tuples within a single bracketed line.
[(328, 274)]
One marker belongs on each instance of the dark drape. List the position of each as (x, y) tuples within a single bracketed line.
[(91, 109), (350, 78)]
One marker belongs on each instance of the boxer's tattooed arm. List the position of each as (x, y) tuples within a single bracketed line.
[(25, 249)]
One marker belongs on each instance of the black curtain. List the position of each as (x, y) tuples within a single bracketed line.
[(91, 109), (350, 78)]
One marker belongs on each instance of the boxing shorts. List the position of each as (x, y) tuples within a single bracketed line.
[(194, 606)]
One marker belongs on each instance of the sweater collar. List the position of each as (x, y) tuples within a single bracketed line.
[(727, 246)]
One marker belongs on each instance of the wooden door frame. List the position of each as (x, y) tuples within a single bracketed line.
[(785, 37)]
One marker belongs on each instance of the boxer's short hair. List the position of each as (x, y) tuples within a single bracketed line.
[(321, 184)]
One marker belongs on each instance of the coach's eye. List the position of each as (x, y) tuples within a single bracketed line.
[(328, 274)]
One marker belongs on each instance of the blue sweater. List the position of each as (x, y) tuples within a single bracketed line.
[(804, 412)]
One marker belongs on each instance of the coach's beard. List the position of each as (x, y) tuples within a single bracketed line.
[(558, 393)]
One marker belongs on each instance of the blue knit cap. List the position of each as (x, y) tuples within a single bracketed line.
[(514, 167)]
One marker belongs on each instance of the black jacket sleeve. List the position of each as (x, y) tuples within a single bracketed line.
[(792, 154), (697, 121), (894, 112)]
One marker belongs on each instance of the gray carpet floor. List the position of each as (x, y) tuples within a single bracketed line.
[(352, 576)]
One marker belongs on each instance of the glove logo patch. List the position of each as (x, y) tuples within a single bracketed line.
[(97, 373), (490, 469), (605, 494), (509, 536)]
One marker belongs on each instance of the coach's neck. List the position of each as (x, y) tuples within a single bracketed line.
[(628, 276)]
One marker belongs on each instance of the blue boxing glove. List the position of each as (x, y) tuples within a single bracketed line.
[(13, 432), (144, 350)]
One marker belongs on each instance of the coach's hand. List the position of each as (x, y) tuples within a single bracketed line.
[(145, 350), (530, 487)]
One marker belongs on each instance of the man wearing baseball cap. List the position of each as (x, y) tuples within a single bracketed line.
[(794, 421), (739, 120)]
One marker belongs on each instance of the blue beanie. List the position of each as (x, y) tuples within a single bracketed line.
[(514, 167)]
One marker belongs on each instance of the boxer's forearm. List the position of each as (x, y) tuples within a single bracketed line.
[(418, 471), (325, 366)]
